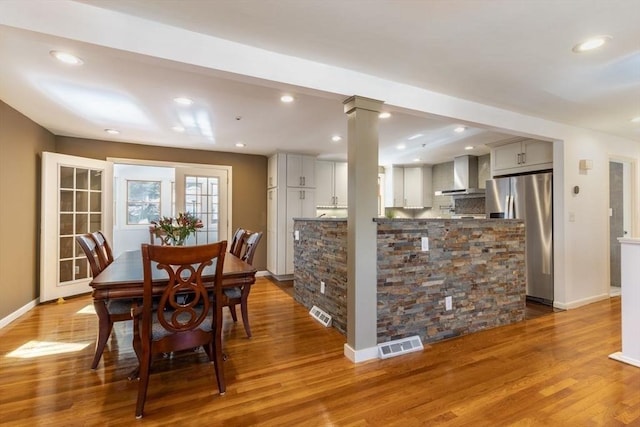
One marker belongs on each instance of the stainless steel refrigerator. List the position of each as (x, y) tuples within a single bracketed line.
[(528, 197)]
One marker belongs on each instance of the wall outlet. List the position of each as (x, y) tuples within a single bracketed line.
[(321, 287), (296, 235), (425, 244), (448, 303)]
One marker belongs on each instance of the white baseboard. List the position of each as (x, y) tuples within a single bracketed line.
[(625, 359), (357, 356), (262, 273), (19, 312), (581, 302)]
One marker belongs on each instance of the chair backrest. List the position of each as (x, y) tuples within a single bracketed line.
[(250, 245), (91, 250), (237, 241), (182, 320), (157, 236), (105, 255)]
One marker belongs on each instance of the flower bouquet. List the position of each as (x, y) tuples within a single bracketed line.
[(175, 231)]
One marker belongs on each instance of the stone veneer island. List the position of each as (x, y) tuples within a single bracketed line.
[(480, 263)]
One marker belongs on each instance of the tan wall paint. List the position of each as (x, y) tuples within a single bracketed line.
[(21, 142), (249, 176)]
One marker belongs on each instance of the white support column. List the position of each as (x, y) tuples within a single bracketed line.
[(630, 300), (361, 229)]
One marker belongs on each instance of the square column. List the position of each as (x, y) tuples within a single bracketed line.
[(362, 155)]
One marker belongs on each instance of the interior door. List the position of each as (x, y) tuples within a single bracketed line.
[(76, 199), (204, 192)]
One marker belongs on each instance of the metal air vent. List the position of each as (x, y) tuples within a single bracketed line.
[(398, 347), (321, 316)]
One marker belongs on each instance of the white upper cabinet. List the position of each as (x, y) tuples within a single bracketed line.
[(524, 155), (408, 187), (331, 183), (272, 172), (301, 171)]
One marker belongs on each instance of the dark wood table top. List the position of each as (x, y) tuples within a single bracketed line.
[(124, 277)]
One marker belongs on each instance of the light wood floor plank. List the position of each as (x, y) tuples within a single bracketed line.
[(551, 370)]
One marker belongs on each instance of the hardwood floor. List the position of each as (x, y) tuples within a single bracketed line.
[(551, 370)]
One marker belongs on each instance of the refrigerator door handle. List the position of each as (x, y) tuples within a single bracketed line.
[(510, 207)]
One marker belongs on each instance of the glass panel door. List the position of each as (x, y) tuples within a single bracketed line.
[(75, 191), (203, 192)]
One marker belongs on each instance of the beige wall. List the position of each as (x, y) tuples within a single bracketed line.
[(21, 142), (249, 208)]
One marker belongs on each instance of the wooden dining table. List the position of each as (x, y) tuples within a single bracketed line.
[(124, 278)]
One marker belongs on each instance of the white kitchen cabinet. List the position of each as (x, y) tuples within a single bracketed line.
[(523, 155), (301, 203), (301, 171), (408, 186), (331, 184), (285, 203), (272, 171)]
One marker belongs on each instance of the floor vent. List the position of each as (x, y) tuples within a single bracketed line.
[(320, 316), (398, 347)]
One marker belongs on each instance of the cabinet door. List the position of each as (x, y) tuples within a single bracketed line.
[(413, 187), (309, 171), (341, 183), (325, 183), (395, 187), (272, 231), (506, 156), (537, 152), (272, 171), (301, 171), (294, 170)]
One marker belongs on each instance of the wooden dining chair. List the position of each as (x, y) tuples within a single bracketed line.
[(239, 295), (99, 256), (238, 241), (105, 254), (157, 236), (179, 323)]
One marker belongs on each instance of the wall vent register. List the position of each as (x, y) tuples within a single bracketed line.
[(398, 347)]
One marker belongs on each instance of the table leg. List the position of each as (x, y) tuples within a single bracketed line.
[(104, 330)]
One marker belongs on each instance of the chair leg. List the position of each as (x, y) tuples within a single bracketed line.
[(105, 325), (245, 317), (218, 364), (145, 368), (232, 309)]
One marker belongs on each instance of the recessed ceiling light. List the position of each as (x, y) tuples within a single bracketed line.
[(469, 147), (401, 146), (336, 138), (417, 159), (635, 120), (178, 129), (384, 115), (286, 98), (183, 101), (590, 44), (416, 136), (67, 58), (112, 131), (460, 129), (240, 144)]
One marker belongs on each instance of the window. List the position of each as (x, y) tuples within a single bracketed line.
[(143, 201)]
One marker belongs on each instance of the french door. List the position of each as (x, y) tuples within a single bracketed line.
[(76, 199), (204, 193)]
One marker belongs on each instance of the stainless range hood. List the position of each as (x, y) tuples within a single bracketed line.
[(465, 177)]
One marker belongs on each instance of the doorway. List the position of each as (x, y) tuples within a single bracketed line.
[(619, 217)]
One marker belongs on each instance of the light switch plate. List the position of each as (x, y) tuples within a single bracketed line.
[(425, 244), (296, 235)]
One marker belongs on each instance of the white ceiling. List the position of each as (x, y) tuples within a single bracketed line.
[(509, 54)]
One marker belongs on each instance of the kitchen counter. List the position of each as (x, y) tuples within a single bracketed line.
[(479, 263)]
